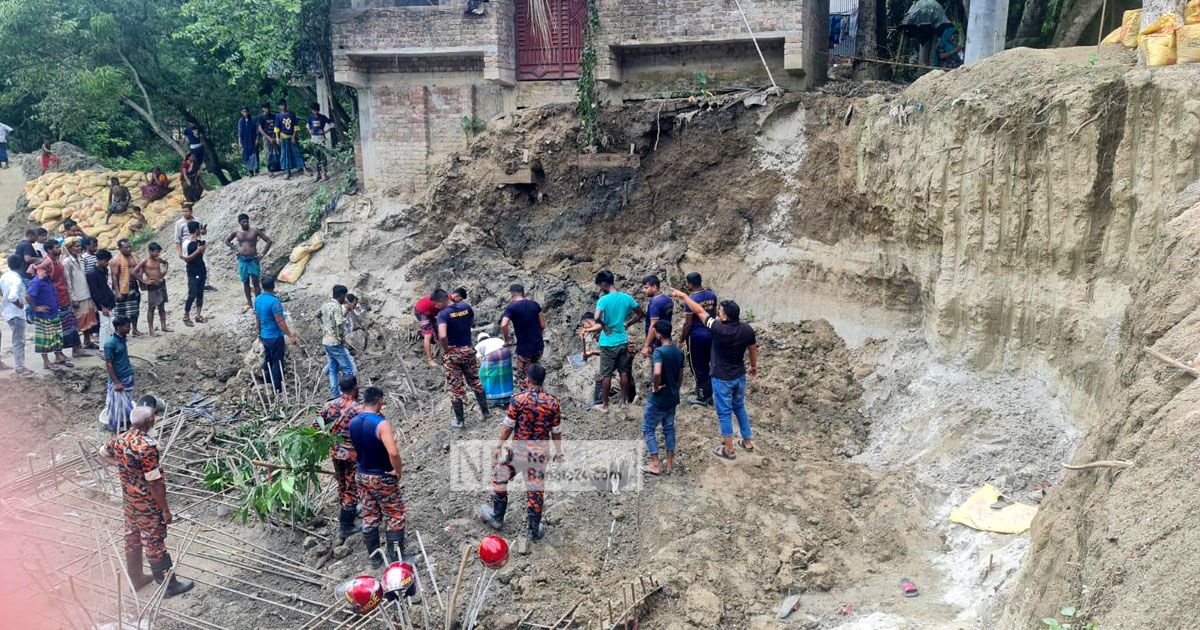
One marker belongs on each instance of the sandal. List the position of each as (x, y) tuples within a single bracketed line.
[(65, 363), (201, 319), (908, 587), (646, 469), (721, 452), (26, 372), (748, 449), (187, 322)]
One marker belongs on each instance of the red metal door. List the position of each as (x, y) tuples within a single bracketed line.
[(558, 58)]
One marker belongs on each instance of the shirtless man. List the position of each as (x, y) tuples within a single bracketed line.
[(152, 272), (118, 198), (247, 253)]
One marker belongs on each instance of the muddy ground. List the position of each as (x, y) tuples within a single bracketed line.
[(865, 434)]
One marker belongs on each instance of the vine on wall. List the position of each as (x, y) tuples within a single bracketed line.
[(592, 133)]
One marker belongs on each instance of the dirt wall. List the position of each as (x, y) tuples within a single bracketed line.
[(1024, 215)]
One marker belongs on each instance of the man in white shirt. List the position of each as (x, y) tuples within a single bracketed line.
[(4, 131), (12, 310)]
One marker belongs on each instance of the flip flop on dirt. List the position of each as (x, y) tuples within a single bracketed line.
[(908, 587), (650, 471), (746, 445), (721, 452)]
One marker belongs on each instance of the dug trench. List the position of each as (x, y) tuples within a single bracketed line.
[(952, 285)]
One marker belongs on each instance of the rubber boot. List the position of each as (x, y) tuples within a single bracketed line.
[(175, 586), (133, 564), (537, 530), (494, 514), (346, 524), (457, 422), (483, 405), (371, 540), (393, 546)]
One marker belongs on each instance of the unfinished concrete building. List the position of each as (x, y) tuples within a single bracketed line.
[(427, 73)]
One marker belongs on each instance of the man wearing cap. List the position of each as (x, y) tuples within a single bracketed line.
[(534, 420), (136, 456), (731, 338), (380, 492)]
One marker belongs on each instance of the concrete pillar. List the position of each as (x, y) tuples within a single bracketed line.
[(815, 38), (324, 98), (986, 27)]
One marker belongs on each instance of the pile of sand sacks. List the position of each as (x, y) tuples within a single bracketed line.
[(299, 259), (1166, 41), (83, 196)]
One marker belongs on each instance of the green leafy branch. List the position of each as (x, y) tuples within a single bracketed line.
[(274, 474)]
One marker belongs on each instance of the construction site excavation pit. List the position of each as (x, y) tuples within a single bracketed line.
[(953, 286)]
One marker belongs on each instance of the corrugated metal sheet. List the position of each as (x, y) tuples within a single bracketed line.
[(843, 27)]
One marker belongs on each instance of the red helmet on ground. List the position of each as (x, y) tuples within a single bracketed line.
[(493, 552), (399, 579), (363, 593)]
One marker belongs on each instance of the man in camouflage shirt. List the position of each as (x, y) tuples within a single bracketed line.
[(534, 418), (135, 454), (336, 416)]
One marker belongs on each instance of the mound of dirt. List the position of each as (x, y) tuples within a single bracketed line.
[(72, 158)]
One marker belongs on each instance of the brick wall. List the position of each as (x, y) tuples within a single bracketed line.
[(624, 22)]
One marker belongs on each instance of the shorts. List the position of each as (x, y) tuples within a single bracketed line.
[(426, 323), (248, 266), (156, 295), (615, 359)]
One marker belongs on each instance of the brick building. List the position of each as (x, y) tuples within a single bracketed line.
[(425, 71)]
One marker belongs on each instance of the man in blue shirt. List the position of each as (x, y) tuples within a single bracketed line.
[(272, 328), (698, 338), (248, 141), (378, 479), (287, 128), (526, 317), (660, 307), (663, 399), (318, 125), (458, 355), (612, 318)]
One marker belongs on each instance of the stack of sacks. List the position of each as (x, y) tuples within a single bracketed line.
[(83, 196)]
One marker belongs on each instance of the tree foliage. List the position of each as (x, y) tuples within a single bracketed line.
[(118, 76)]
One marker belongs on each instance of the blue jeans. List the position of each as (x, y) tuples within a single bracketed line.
[(651, 417), (339, 361), (730, 400)]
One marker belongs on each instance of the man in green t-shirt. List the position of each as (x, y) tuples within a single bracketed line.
[(612, 317)]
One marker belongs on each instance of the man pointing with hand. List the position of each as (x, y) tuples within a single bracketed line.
[(731, 337)]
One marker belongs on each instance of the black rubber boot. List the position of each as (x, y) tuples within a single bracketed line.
[(483, 405), (494, 514), (393, 548), (346, 524), (537, 530), (175, 586), (457, 422), (371, 540)]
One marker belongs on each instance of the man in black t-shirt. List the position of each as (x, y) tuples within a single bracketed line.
[(28, 253), (458, 355), (526, 317), (731, 338)]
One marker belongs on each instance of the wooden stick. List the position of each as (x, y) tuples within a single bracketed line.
[(462, 568), (1172, 362), (1104, 463)]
